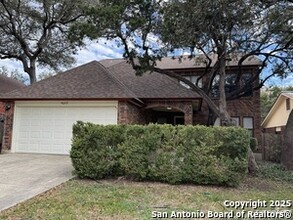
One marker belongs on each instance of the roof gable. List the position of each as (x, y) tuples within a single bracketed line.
[(89, 81), (95, 81), (278, 110), (150, 85), (8, 84)]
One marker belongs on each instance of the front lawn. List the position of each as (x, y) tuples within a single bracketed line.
[(121, 199)]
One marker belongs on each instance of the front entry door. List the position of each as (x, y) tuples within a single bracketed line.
[(178, 120)]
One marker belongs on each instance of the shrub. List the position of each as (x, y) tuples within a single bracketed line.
[(94, 152), (166, 153), (214, 155), (253, 144)]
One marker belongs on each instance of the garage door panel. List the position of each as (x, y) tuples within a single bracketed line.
[(40, 129)]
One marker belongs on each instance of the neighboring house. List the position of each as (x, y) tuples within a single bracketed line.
[(276, 119), (109, 92), (287, 148), (6, 85), (274, 125)]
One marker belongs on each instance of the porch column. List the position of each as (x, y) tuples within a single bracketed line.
[(188, 115), (8, 123)]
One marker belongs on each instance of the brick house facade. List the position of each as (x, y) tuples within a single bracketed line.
[(247, 107), (151, 98)]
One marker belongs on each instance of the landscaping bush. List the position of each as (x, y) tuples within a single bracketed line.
[(253, 144), (166, 153), (214, 155), (94, 151)]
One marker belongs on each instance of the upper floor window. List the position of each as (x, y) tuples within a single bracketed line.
[(192, 79), (247, 83), (230, 84), (288, 107)]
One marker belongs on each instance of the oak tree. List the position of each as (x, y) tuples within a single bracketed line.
[(151, 29), (35, 32)]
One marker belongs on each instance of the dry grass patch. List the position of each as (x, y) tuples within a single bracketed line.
[(121, 199)]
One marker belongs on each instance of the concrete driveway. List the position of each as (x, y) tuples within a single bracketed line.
[(23, 176)]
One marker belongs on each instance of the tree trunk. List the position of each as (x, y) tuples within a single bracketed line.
[(252, 165), (224, 115), (32, 71), (29, 66), (214, 108)]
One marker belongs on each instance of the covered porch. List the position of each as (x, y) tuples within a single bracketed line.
[(171, 112)]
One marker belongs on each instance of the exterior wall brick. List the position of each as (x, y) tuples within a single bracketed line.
[(245, 106), (2, 107), (130, 114), (8, 124)]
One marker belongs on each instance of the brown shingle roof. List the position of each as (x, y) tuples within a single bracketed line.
[(150, 85), (199, 62), (94, 81), (89, 81), (8, 84)]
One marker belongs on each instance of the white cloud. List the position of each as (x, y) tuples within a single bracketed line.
[(98, 51), (93, 51)]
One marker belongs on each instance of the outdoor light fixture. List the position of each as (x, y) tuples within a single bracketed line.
[(7, 107)]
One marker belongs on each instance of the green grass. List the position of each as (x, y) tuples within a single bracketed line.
[(274, 171), (121, 199)]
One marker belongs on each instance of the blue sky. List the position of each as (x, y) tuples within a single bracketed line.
[(109, 50)]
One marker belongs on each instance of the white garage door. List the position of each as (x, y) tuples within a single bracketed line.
[(46, 127)]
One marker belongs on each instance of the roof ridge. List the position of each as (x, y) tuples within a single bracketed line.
[(49, 78), (122, 59), (119, 82), (12, 80)]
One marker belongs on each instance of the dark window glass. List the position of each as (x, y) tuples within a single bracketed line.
[(247, 84), (230, 83)]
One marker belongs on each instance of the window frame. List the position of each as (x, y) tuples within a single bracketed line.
[(249, 84), (189, 77), (251, 130)]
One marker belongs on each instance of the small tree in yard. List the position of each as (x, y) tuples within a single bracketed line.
[(35, 32), (149, 30)]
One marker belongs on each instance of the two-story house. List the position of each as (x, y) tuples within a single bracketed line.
[(109, 92)]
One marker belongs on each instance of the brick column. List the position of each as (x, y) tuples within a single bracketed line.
[(8, 125), (188, 115)]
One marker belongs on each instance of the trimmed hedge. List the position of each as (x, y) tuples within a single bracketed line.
[(166, 153)]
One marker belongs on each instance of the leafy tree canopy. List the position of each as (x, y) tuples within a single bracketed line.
[(35, 32), (151, 29)]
